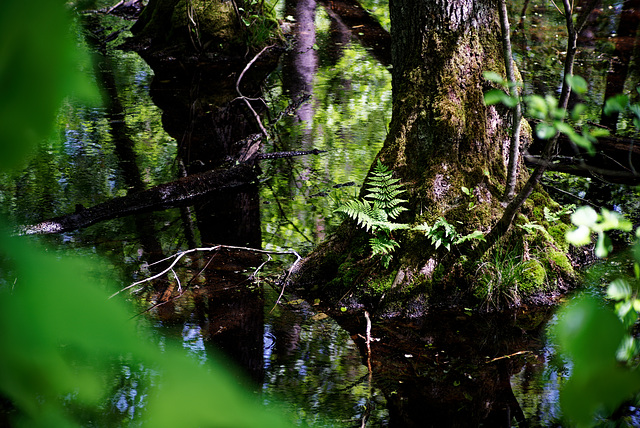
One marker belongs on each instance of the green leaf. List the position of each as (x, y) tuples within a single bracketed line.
[(619, 289), (544, 131), (577, 83), (579, 237), (613, 220), (603, 246), (494, 96), (616, 104), (494, 77), (537, 106), (584, 216), (577, 111), (599, 132)]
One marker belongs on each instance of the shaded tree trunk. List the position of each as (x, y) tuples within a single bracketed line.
[(441, 137)]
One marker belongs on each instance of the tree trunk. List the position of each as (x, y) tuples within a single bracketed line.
[(441, 138)]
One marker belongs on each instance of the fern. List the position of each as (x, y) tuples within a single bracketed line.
[(443, 233), (380, 205), (364, 213), (384, 191)]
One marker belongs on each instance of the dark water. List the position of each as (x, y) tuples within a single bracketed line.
[(449, 369)]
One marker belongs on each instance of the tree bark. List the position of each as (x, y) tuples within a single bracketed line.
[(441, 138)]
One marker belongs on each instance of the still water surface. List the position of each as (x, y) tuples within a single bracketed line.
[(434, 371)]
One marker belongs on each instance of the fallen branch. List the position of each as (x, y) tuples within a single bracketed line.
[(178, 256), (509, 356)]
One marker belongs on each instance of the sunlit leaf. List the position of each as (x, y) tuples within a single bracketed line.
[(580, 236), (577, 83), (603, 246), (619, 290), (494, 96), (584, 216), (599, 132), (494, 77), (544, 131), (614, 220), (577, 111), (537, 106), (629, 349)]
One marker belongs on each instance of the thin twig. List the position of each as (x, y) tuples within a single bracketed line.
[(178, 256), (509, 356), (368, 340), (514, 146), (114, 7), (246, 100), (286, 278)]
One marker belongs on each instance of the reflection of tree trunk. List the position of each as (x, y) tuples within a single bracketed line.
[(448, 369), (625, 40), (180, 192), (363, 26), (124, 146), (303, 61)]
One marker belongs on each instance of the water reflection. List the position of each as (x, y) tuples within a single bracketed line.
[(453, 369)]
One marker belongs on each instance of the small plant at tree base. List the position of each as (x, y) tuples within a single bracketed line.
[(471, 198), (374, 213), (382, 204), (443, 233)]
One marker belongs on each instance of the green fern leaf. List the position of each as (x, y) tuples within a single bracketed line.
[(382, 244)]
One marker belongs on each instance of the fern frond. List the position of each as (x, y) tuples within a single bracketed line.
[(382, 244), (389, 226), (363, 212)]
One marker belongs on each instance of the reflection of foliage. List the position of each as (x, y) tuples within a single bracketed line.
[(316, 365), (351, 106), (61, 338)]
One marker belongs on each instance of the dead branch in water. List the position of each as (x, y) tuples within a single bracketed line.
[(175, 258)]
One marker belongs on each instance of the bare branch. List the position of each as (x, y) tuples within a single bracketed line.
[(178, 256), (246, 100)]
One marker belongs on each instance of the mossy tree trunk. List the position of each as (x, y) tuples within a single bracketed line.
[(441, 137), (190, 25), (217, 29)]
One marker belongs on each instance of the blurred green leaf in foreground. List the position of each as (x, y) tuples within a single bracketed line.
[(60, 337)]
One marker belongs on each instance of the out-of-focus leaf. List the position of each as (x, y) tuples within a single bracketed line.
[(537, 106), (577, 83), (494, 77), (584, 216), (580, 236), (39, 61), (616, 104), (619, 290), (577, 111), (613, 220), (603, 246), (544, 131)]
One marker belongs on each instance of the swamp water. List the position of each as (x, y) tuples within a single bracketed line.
[(450, 369)]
